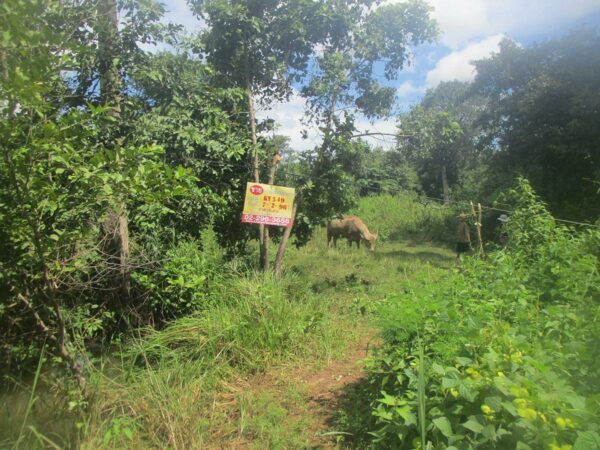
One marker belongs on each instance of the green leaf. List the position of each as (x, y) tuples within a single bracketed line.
[(510, 408), (473, 425), (443, 424), (438, 369), (587, 440)]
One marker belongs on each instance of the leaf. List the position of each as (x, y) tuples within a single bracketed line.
[(473, 425), (407, 415), (128, 433), (587, 440), (489, 432), (448, 383), (438, 369), (443, 424), (466, 392), (510, 408)]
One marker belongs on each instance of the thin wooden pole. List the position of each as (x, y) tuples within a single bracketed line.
[(264, 253), (285, 238), (477, 219)]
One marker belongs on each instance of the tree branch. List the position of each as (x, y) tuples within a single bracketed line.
[(380, 134)]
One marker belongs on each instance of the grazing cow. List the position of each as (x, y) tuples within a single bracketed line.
[(353, 229)]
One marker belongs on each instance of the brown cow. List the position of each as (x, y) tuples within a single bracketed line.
[(353, 229)]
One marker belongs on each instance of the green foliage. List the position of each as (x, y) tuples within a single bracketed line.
[(68, 165), (168, 382), (434, 146), (540, 115), (186, 280), (508, 342), (406, 215), (202, 128)]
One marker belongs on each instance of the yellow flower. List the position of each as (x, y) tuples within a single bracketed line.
[(569, 423), (562, 423), (500, 373), (555, 446), (527, 413), (472, 373), (520, 402), (486, 409), (519, 392), (454, 393)]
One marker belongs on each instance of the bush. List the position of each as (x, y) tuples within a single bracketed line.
[(407, 215), (185, 279), (501, 354)]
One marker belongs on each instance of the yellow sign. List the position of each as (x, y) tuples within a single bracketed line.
[(269, 205)]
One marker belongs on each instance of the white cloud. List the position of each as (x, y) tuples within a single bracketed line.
[(408, 88), (458, 64), (178, 12), (462, 21), (288, 117)]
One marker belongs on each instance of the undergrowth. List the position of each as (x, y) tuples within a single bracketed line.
[(406, 215), (509, 349), (162, 390)]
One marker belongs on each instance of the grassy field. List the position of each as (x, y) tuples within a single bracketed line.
[(267, 366)]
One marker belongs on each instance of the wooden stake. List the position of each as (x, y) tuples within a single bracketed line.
[(477, 218), (264, 253)]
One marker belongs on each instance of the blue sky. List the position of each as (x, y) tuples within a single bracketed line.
[(470, 30)]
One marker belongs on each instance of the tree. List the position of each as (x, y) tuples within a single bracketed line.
[(434, 146), (466, 106), (260, 46), (202, 127), (363, 38), (542, 116), (57, 180)]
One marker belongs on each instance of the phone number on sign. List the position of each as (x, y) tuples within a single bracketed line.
[(266, 220)]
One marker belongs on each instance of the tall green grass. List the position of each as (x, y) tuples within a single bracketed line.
[(510, 342), (164, 391), (406, 215)]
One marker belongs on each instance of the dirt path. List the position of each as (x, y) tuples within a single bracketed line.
[(325, 386), (307, 395)]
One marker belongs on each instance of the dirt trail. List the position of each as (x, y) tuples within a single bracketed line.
[(325, 386), (320, 388)]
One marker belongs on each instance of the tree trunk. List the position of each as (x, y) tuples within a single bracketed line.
[(264, 252), (117, 223), (445, 188), (285, 238), (108, 35), (264, 257)]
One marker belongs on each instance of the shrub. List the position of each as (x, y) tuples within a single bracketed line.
[(501, 354), (185, 279), (406, 215)]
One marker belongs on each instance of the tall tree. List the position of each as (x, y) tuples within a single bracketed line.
[(542, 117), (433, 144), (465, 106), (117, 223), (364, 39), (260, 46)]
